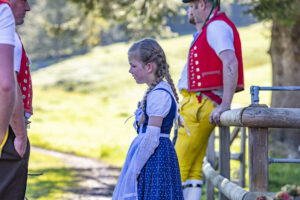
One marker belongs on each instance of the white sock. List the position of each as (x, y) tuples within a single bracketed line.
[(185, 191), (192, 190)]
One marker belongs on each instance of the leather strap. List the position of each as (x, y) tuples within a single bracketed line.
[(192, 185)]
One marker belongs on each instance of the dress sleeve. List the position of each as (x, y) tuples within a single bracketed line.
[(158, 103), (146, 148)]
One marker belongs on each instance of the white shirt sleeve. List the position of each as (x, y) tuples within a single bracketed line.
[(220, 36), (17, 53), (158, 103), (7, 25)]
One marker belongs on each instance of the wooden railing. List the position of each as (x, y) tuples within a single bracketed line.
[(258, 118)]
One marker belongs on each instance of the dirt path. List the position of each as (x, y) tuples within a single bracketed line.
[(96, 179)]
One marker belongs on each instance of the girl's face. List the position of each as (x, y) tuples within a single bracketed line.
[(138, 70)]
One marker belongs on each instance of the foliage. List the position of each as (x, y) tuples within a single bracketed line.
[(138, 18), (288, 192), (291, 190), (286, 12), (60, 29)]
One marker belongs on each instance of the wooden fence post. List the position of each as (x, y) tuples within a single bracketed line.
[(243, 160), (210, 154), (258, 160), (224, 160)]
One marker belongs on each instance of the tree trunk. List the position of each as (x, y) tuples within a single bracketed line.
[(285, 55)]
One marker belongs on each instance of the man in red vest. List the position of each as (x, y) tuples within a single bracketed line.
[(15, 153), (7, 85), (214, 72)]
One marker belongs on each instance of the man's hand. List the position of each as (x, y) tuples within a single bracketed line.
[(230, 77), (216, 113), (20, 145)]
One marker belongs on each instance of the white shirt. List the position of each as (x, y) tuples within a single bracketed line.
[(219, 37), (17, 53), (7, 25), (159, 101)]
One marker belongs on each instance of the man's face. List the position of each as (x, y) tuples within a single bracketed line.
[(19, 8), (190, 16), (197, 11)]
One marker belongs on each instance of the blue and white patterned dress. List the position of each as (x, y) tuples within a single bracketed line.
[(159, 178)]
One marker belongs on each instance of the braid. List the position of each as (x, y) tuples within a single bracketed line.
[(170, 81), (164, 70)]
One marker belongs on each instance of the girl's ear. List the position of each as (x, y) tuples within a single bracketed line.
[(150, 67)]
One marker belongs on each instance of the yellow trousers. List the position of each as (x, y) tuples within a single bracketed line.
[(191, 148)]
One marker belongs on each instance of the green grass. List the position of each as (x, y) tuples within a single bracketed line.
[(56, 182), (283, 174), (81, 104)]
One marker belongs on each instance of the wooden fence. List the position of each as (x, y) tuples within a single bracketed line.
[(258, 118)]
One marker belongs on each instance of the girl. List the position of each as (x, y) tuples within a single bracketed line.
[(151, 169)]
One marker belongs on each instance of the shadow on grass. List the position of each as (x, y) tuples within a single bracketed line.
[(69, 183)]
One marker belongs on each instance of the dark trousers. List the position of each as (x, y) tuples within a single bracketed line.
[(13, 170)]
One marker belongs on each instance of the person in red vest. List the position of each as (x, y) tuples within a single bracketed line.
[(7, 84), (15, 153), (214, 72)]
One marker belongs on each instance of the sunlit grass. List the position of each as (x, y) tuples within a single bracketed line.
[(81, 104), (56, 181), (283, 174)]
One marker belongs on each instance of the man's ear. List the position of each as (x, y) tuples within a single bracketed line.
[(201, 4)]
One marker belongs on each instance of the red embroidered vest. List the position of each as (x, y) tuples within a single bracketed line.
[(205, 71), (24, 80)]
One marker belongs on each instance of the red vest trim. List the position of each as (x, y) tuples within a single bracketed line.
[(205, 69), (24, 80), (5, 1)]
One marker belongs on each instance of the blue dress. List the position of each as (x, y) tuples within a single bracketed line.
[(159, 178)]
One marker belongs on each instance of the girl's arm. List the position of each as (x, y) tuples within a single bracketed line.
[(155, 121), (158, 106), (149, 143)]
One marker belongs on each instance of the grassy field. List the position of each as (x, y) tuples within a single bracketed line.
[(81, 104), (57, 181)]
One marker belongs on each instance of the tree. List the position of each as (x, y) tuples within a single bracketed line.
[(285, 56), (138, 18), (60, 29), (148, 17), (65, 27)]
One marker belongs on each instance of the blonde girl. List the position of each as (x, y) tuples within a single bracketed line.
[(151, 169)]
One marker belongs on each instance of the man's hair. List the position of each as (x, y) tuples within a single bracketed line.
[(210, 2)]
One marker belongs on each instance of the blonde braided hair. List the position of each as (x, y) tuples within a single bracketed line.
[(148, 50)]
